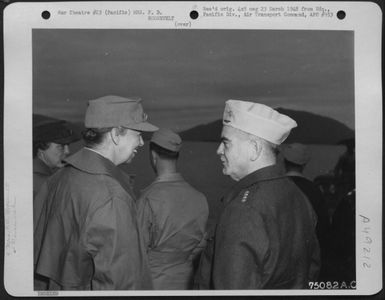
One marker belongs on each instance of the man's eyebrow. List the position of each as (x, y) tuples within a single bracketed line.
[(224, 139)]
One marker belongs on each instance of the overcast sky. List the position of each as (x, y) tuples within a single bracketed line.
[(185, 76)]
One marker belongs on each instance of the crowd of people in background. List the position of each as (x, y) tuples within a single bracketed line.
[(277, 228), (339, 192), (332, 196)]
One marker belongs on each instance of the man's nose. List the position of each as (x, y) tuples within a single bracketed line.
[(66, 149), (141, 143), (220, 149)]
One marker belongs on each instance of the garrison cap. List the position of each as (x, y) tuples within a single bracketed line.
[(296, 153), (258, 119), (167, 139), (115, 111), (54, 132)]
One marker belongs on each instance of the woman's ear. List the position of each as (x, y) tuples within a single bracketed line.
[(115, 137)]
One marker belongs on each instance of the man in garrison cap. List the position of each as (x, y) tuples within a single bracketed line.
[(173, 217), (296, 156), (265, 236), (87, 236), (50, 148)]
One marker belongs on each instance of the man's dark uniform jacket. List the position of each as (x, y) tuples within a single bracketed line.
[(316, 199), (265, 237)]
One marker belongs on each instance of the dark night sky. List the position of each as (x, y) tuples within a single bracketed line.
[(185, 76)]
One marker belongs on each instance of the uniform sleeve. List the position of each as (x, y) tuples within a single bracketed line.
[(38, 181), (39, 202), (241, 247), (145, 219), (202, 278), (111, 238), (315, 261), (315, 253), (40, 214)]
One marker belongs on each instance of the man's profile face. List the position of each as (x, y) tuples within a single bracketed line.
[(54, 155), (234, 152)]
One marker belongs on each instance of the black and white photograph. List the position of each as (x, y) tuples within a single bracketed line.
[(196, 160)]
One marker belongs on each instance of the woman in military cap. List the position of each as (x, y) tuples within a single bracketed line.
[(87, 236), (50, 147)]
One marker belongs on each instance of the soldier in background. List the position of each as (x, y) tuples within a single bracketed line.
[(327, 186), (50, 147), (265, 237), (296, 156), (343, 239), (87, 236), (51, 140), (345, 170), (173, 217), (343, 235)]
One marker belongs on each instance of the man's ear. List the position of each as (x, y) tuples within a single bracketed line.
[(153, 160), (154, 156), (255, 150), (115, 137)]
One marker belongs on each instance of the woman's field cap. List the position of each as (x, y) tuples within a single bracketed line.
[(55, 132), (115, 111), (258, 119), (167, 139), (296, 153)]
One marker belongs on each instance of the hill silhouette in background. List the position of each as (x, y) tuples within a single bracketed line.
[(312, 129), (42, 119)]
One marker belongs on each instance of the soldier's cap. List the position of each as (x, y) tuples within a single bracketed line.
[(258, 119), (167, 139), (54, 132), (115, 111), (296, 153)]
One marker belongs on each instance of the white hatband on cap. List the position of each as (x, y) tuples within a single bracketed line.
[(258, 119)]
